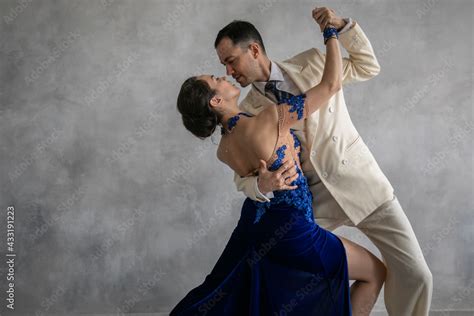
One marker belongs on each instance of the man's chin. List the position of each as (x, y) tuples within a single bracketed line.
[(244, 84)]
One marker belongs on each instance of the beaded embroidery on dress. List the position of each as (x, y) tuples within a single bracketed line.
[(265, 266), (288, 144)]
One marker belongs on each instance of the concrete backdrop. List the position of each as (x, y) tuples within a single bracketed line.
[(119, 209)]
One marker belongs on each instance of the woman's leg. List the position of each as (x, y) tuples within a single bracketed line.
[(369, 275)]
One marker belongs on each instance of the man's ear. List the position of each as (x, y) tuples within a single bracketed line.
[(255, 49)]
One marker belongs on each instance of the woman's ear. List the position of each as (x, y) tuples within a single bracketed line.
[(215, 101)]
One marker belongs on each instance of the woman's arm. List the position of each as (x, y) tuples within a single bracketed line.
[(302, 106), (331, 81)]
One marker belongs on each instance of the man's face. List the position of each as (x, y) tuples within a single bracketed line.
[(239, 63)]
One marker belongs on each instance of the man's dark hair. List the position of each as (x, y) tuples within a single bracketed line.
[(240, 33)]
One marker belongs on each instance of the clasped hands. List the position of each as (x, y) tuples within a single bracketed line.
[(327, 17)]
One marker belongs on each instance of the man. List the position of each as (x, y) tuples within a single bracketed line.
[(347, 184)]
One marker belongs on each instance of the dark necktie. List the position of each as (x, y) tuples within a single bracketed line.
[(270, 88)]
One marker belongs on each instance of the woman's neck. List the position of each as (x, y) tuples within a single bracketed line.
[(224, 117)]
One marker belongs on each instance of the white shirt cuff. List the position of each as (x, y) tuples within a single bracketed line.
[(347, 26), (265, 197)]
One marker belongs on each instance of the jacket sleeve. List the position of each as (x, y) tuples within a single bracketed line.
[(361, 65), (248, 185)]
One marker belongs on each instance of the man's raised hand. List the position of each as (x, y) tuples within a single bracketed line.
[(325, 16)]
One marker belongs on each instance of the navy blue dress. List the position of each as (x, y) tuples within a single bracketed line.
[(278, 260)]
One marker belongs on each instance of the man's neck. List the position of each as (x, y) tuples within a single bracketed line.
[(266, 69)]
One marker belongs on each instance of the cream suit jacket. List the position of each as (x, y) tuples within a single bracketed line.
[(338, 154)]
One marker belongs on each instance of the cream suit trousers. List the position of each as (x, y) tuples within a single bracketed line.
[(409, 285)]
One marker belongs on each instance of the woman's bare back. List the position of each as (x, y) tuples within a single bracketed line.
[(261, 137)]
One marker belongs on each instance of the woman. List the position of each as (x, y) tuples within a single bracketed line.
[(278, 260)]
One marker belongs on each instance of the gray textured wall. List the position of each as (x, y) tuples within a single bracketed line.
[(118, 208)]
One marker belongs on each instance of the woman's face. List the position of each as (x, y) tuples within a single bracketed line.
[(223, 88)]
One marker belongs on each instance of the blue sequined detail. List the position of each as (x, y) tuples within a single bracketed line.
[(232, 121), (300, 198), (275, 165), (297, 104), (278, 162), (297, 142)]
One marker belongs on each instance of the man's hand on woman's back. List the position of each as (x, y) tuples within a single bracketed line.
[(280, 179)]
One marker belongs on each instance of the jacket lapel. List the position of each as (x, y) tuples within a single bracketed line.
[(255, 102), (304, 79), (301, 76)]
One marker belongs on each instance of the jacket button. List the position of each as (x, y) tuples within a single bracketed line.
[(325, 174), (334, 138), (344, 161), (313, 153), (331, 109)]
